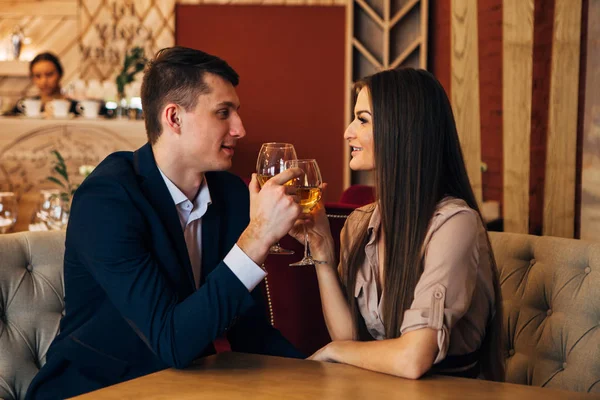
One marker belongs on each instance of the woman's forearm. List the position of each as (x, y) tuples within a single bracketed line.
[(408, 356), (335, 307)]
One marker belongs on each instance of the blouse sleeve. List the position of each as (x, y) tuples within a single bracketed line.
[(444, 291)]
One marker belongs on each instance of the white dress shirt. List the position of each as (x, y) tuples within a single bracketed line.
[(190, 216)]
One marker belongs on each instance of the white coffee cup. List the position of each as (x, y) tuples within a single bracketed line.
[(88, 108), (59, 108), (31, 107)]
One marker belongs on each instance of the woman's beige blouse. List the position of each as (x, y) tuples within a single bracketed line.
[(454, 295)]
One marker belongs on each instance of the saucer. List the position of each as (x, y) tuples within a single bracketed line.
[(41, 116), (68, 116)]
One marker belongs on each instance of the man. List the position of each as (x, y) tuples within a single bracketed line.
[(161, 254)]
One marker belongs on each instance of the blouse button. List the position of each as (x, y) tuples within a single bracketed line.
[(587, 270), (549, 313), (511, 352), (438, 295), (564, 365)]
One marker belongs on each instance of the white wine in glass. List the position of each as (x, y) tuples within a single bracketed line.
[(309, 190), (271, 161)]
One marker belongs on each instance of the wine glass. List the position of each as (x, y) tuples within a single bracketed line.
[(309, 191), (271, 161), (8, 211), (58, 212), (39, 220)]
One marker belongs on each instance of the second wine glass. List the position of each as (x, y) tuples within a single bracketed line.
[(271, 161), (309, 191)]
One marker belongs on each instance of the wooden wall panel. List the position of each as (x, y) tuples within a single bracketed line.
[(283, 97), (465, 86), (590, 177), (559, 193), (489, 23), (517, 78)]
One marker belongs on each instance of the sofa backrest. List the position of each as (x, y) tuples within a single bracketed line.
[(551, 304), (31, 305)]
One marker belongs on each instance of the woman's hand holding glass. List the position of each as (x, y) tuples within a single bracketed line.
[(319, 233), (308, 188)]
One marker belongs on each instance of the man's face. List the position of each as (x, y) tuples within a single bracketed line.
[(210, 131)]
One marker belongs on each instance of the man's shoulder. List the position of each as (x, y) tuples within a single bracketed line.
[(116, 164)]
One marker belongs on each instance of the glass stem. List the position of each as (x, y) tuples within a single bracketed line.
[(305, 242)]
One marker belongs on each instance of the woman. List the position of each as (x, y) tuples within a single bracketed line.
[(46, 72), (417, 287)]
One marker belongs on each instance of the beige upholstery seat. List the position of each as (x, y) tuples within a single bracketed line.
[(31, 303), (551, 290)]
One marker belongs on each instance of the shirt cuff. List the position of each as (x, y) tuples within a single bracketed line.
[(242, 266)]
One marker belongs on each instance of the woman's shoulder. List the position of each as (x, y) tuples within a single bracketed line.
[(450, 207), (359, 215)]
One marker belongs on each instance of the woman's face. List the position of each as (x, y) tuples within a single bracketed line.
[(359, 134), (45, 77)]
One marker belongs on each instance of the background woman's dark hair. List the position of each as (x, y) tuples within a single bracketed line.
[(177, 75), (418, 161), (47, 57)]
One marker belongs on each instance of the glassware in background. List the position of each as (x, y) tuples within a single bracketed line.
[(270, 162), (39, 220), (309, 191), (8, 211), (58, 213)]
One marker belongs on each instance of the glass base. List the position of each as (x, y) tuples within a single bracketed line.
[(277, 249), (306, 261)]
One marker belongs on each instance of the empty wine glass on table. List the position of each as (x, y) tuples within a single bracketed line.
[(8, 211), (309, 191), (270, 162)]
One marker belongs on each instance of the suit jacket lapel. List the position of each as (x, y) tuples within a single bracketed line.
[(211, 228), (158, 195)]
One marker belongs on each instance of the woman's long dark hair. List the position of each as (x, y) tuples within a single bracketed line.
[(418, 161)]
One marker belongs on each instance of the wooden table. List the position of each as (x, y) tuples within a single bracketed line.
[(248, 376)]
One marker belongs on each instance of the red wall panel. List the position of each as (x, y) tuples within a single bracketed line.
[(291, 65)]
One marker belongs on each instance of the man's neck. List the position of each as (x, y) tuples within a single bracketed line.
[(187, 180)]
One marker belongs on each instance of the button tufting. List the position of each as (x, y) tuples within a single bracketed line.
[(438, 295), (587, 270), (564, 365), (549, 312), (532, 262), (29, 267), (511, 352)]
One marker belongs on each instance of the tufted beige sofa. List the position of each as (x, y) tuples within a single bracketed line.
[(551, 290), (31, 303)]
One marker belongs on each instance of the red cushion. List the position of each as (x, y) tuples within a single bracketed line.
[(358, 195)]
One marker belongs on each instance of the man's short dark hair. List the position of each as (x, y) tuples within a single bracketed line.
[(176, 75)]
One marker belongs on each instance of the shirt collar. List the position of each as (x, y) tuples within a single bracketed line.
[(202, 198)]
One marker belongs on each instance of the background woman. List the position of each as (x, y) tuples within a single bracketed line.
[(46, 71)]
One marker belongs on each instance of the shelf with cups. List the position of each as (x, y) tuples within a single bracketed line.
[(14, 68)]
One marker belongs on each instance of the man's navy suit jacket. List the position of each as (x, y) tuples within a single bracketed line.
[(131, 307)]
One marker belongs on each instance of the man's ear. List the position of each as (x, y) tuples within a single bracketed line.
[(172, 115)]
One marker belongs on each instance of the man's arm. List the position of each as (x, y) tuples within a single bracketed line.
[(113, 245)]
